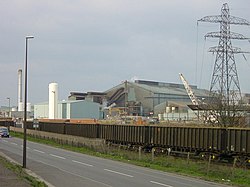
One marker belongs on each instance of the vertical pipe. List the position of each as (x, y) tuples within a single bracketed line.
[(19, 101)]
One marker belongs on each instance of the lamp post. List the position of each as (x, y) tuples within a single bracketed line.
[(9, 113), (9, 106), (25, 101)]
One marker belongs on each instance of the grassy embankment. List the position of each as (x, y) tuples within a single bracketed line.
[(195, 168), (20, 172)]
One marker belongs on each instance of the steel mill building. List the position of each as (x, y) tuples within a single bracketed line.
[(150, 98), (139, 98)]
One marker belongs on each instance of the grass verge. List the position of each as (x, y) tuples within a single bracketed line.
[(20, 172), (195, 168)]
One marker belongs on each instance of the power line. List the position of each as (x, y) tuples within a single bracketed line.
[(225, 87), (225, 78)]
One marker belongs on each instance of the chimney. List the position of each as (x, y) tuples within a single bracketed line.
[(20, 90)]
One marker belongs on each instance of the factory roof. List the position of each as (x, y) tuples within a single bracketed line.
[(67, 101), (164, 88), (171, 89)]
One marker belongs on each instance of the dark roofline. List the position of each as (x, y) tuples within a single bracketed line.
[(77, 94), (96, 93), (163, 84)]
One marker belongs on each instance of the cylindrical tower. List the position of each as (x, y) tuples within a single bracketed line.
[(20, 106), (53, 100), (28, 107), (19, 99)]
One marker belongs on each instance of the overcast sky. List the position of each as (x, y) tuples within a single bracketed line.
[(93, 45)]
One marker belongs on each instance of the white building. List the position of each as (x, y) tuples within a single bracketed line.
[(77, 109)]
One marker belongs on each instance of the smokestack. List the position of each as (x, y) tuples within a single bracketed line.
[(20, 90)]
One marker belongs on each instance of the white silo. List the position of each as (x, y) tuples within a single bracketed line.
[(19, 99), (20, 106), (53, 100), (29, 107)]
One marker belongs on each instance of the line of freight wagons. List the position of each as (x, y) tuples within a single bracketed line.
[(227, 142), (219, 142)]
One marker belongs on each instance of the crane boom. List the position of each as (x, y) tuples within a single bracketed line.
[(190, 92)]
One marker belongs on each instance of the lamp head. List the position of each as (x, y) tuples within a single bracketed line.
[(29, 37)]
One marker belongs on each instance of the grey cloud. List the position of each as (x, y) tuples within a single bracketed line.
[(94, 45)]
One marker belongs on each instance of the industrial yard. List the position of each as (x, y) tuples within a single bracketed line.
[(171, 117), (175, 127)]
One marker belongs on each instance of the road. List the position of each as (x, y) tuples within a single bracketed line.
[(65, 168)]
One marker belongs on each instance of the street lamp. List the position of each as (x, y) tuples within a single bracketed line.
[(9, 106), (9, 113), (25, 101)]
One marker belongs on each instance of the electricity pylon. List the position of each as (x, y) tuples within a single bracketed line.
[(225, 91)]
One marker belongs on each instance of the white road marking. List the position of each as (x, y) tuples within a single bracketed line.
[(76, 174), (26, 147), (5, 141), (82, 163), (160, 184), (13, 143), (38, 151), (57, 156), (118, 173)]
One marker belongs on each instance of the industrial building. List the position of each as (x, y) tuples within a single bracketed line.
[(168, 101), (69, 110), (97, 97), (150, 98)]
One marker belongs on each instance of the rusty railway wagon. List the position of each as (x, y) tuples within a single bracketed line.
[(223, 143)]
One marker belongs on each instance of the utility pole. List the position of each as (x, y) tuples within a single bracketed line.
[(25, 102), (8, 98), (225, 91), (9, 113), (126, 100)]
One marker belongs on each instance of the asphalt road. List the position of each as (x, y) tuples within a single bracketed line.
[(65, 168)]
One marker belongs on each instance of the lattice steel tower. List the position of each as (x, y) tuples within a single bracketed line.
[(225, 85)]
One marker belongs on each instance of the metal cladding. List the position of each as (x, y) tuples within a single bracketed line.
[(19, 102), (53, 100)]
